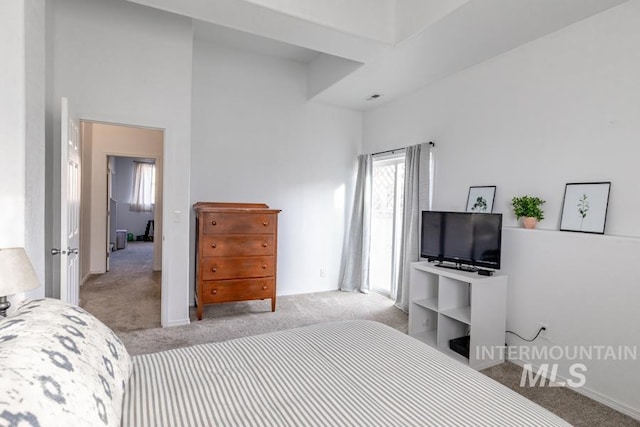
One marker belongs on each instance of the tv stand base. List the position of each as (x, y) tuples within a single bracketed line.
[(457, 267)]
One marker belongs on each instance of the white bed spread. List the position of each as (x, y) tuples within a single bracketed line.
[(354, 373)]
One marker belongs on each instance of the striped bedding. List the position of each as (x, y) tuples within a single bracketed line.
[(354, 373)]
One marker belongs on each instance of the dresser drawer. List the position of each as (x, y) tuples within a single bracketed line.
[(238, 244), (237, 290), (219, 268), (239, 223)]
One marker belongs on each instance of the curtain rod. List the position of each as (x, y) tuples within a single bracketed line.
[(151, 162), (431, 143)]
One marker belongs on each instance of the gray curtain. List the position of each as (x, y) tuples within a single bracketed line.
[(354, 274), (415, 185)]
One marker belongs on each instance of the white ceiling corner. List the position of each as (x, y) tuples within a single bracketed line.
[(473, 33), (354, 48), (252, 43)]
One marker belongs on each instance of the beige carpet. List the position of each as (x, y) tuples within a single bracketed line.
[(127, 299), (222, 322), (571, 406), (128, 296)]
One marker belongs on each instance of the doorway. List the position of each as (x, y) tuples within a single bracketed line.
[(123, 258), (131, 203), (386, 222)]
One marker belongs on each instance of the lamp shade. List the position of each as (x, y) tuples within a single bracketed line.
[(16, 272)]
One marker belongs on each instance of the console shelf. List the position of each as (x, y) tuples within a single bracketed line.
[(447, 304), (428, 303), (462, 314)]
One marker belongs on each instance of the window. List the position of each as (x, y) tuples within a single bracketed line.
[(144, 187), (386, 222)]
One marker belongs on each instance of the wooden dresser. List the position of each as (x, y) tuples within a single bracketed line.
[(236, 252)]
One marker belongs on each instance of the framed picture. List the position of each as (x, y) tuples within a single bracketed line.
[(480, 199), (585, 207)]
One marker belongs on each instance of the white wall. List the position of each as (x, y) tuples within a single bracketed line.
[(123, 63), (325, 70), (126, 219), (12, 123), (374, 19), (21, 131), (256, 139), (35, 137), (123, 169), (413, 16), (560, 109)]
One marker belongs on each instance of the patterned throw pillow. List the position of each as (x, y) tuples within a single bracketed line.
[(60, 366)]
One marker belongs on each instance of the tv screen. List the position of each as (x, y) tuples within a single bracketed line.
[(462, 238)]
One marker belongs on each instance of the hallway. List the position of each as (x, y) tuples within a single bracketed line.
[(126, 298)]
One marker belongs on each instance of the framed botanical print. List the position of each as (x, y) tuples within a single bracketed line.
[(585, 207), (480, 199)]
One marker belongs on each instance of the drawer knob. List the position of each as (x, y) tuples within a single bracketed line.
[(214, 269), (213, 245), (264, 244), (214, 291), (264, 266), (214, 222), (265, 223), (264, 287)]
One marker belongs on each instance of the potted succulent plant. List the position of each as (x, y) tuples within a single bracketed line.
[(528, 208)]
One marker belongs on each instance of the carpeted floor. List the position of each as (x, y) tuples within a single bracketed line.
[(222, 322), (571, 406), (128, 296), (127, 299)]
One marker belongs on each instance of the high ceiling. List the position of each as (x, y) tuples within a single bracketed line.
[(355, 48)]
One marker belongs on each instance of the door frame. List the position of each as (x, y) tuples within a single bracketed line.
[(96, 151), (96, 154), (172, 313), (157, 210)]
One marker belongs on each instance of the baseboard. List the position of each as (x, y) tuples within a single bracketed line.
[(84, 279), (181, 322), (591, 394)]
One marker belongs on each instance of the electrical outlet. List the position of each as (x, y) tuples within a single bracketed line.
[(323, 273), (545, 335)]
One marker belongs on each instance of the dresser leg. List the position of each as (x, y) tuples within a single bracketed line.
[(273, 303), (199, 307)]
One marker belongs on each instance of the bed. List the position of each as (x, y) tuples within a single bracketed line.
[(354, 373)]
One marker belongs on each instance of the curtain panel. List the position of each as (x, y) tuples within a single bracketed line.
[(354, 274), (410, 238), (143, 197)]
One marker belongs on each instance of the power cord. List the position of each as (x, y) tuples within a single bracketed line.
[(542, 328)]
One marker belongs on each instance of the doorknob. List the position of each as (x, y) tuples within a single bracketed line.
[(55, 251), (72, 251)]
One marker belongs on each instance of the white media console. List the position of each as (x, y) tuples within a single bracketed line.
[(447, 304)]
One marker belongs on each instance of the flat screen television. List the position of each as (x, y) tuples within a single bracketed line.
[(468, 240)]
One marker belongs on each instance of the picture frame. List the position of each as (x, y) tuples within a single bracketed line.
[(481, 198), (584, 208)]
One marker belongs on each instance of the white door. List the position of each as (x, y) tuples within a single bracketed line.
[(69, 206), (110, 210)]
